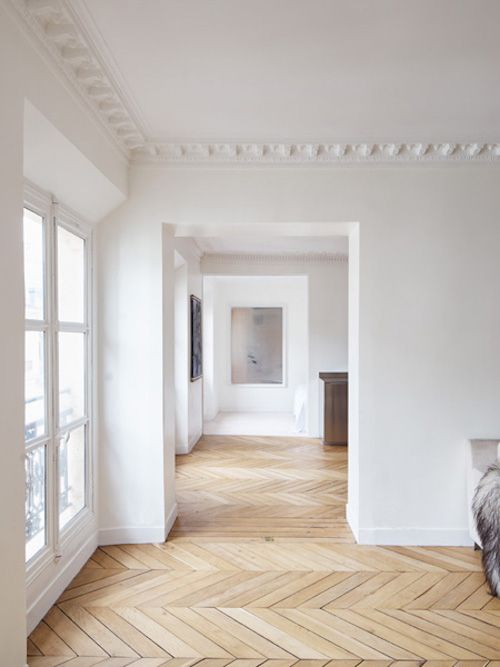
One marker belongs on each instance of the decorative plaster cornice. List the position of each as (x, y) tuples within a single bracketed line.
[(52, 25), (278, 258), (57, 27), (315, 153)]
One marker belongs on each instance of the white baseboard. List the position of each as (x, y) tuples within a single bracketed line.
[(138, 534), (131, 535), (53, 590), (191, 445), (423, 537), (194, 441), (352, 520), (170, 520)]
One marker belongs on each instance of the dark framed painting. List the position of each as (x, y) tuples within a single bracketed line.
[(196, 339)]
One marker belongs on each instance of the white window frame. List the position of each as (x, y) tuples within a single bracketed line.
[(60, 541)]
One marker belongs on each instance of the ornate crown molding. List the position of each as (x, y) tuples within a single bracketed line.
[(52, 25), (315, 153), (57, 27), (278, 258)]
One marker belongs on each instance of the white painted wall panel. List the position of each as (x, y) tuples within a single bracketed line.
[(429, 367)]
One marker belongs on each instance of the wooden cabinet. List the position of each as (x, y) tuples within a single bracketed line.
[(335, 410)]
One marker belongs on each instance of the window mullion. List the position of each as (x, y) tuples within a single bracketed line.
[(72, 327), (54, 532), (36, 325), (35, 443), (41, 326), (80, 427), (72, 426)]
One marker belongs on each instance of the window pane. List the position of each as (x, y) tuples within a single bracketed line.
[(71, 475), (71, 276), (71, 377), (35, 501), (33, 265), (34, 385)]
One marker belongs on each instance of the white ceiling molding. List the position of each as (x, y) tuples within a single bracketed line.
[(283, 258), (317, 153), (52, 25), (55, 26)]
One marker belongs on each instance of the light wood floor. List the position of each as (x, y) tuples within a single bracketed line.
[(261, 569)]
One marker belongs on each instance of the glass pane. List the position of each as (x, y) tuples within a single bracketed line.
[(35, 501), (71, 475), (71, 377), (70, 276), (33, 265), (34, 385)]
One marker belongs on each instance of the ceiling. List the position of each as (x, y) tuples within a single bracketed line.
[(302, 70), (283, 246)]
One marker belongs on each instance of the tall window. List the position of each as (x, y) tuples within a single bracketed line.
[(57, 377)]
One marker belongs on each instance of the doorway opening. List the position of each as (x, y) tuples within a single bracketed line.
[(279, 308), (256, 355)]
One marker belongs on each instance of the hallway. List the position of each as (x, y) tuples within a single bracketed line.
[(261, 566)]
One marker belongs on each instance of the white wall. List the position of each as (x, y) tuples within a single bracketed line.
[(131, 484), (289, 292), (164, 391), (12, 572), (136, 344), (181, 362), (211, 404), (189, 395), (46, 149), (352, 509), (429, 367), (326, 320), (26, 79), (46, 90)]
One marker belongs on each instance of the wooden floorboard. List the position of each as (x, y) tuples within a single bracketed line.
[(261, 570)]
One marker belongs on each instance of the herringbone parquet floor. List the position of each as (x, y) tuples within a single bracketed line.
[(261, 570)]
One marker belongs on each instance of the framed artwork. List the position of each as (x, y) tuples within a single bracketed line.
[(196, 339), (257, 346)]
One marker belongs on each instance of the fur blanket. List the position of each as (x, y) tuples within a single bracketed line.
[(486, 510)]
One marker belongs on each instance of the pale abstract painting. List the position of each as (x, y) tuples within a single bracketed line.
[(257, 345)]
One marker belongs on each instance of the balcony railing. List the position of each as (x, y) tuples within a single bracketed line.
[(35, 491), (35, 487)]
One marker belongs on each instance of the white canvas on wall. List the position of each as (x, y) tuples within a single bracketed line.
[(257, 345)]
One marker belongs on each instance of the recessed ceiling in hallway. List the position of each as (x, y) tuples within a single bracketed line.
[(282, 245)]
